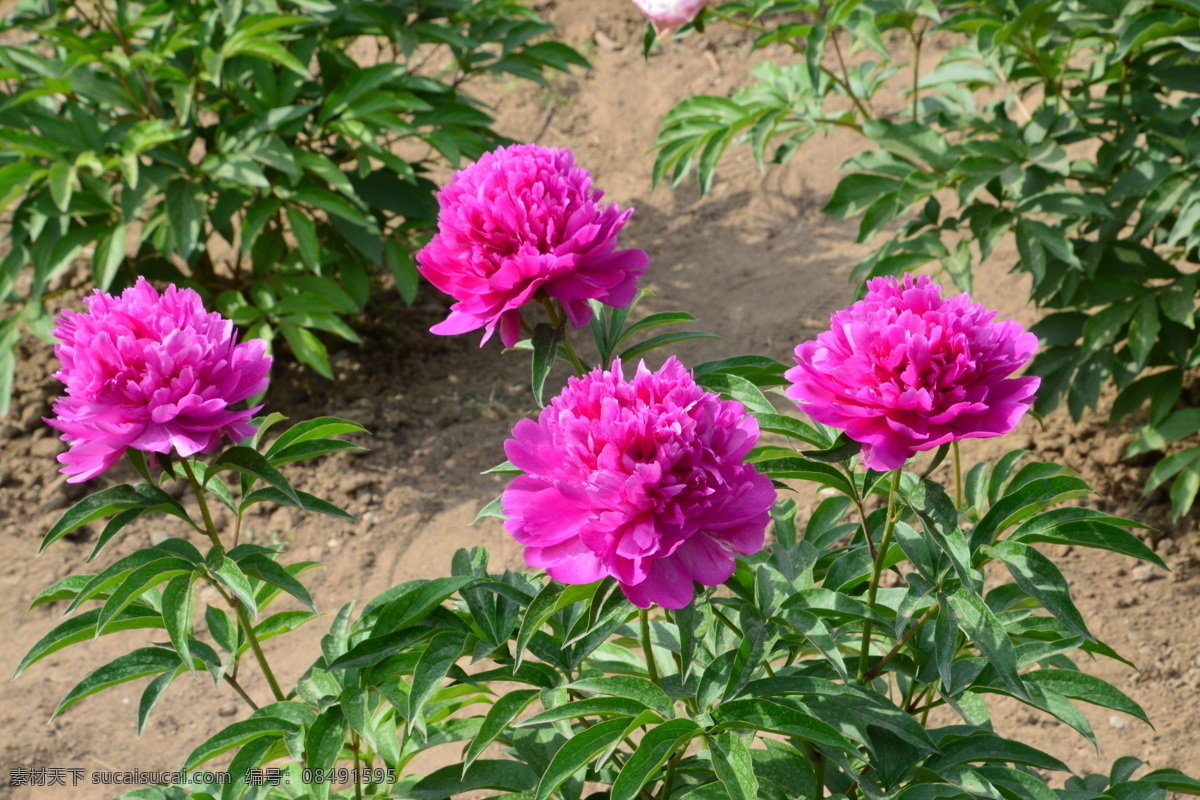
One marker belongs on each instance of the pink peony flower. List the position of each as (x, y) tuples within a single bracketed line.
[(667, 15), (904, 370), (640, 479), (155, 373), (520, 224)]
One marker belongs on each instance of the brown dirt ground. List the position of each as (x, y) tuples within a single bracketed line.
[(755, 260)]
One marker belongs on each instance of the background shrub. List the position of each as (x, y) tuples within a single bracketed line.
[(241, 148), (1069, 126)]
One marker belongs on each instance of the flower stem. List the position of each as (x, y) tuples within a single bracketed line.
[(259, 655), (893, 513), (576, 361), (243, 617), (648, 647), (560, 324), (209, 528), (958, 484)]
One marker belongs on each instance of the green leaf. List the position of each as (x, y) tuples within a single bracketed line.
[(442, 651), (977, 620), (577, 752), (497, 775), (110, 501), (506, 709), (543, 606), (1087, 688), (1026, 501), (108, 257), (266, 50), (734, 767), (307, 348), (268, 571), (589, 707), (305, 232), (652, 752), (153, 693), (766, 715), (129, 667), (545, 349), (318, 428), (254, 466), (323, 743), (985, 746), (238, 734), (113, 527), (63, 180), (185, 213), (137, 582), (314, 448), (410, 603), (403, 268), (1143, 330), (229, 574), (734, 387), (82, 628), (662, 340), (304, 501), (1038, 576), (1086, 529), (631, 687)]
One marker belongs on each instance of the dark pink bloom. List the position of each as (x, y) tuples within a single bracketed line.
[(904, 370), (155, 373), (640, 479), (520, 224), (667, 15)]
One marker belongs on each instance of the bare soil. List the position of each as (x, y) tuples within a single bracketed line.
[(755, 260)]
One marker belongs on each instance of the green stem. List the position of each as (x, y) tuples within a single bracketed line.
[(576, 361), (560, 324), (669, 780), (877, 570), (875, 670), (259, 655), (648, 647), (237, 687), (837, 48), (958, 484), (243, 617), (818, 762), (209, 528), (357, 768), (916, 90)]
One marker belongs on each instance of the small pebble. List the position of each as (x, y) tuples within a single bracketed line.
[(1144, 573), (1118, 722)]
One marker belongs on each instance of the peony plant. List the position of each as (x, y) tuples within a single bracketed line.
[(1055, 125), (691, 629)]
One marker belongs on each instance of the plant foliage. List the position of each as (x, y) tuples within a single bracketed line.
[(1066, 127), (272, 155)]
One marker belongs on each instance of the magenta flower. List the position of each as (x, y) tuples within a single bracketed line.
[(521, 224), (642, 480), (904, 370), (667, 15), (155, 373)]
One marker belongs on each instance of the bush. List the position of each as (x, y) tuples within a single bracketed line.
[(669, 649), (1068, 126), (240, 149)]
